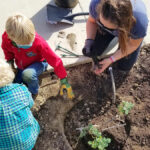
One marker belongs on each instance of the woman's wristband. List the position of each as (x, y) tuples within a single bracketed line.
[(112, 59)]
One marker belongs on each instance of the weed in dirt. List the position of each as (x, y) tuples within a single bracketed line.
[(98, 141), (125, 107)]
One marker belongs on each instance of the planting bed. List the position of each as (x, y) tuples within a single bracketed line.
[(60, 118)]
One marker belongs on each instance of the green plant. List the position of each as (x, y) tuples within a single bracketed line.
[(99, 141), (125, 107)]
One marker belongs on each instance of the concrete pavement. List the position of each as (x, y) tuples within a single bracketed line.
[(37, 12)]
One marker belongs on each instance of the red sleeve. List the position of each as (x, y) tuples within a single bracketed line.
[(5, 46), (53, 59)]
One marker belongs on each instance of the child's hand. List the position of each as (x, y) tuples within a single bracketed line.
[(66, 89)]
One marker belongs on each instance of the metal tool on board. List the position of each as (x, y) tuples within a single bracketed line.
[(67, 53)]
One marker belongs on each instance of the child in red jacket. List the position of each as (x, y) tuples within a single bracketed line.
[(31, 53)]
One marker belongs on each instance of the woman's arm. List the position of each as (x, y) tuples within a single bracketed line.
[(91, 28), (132, 45)]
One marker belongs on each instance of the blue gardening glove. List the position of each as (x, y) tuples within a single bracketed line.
[(87, 47), (66, 88)]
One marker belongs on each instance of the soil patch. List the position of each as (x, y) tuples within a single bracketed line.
[(97, 108), (93, 104)]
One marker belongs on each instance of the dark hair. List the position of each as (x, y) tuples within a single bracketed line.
[(118, 12)]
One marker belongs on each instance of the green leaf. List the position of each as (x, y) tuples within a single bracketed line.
[(108, 140), (83, 133), (125, 107), (90, 126), (94, 131), (98, 141), (100, 147), (90, 142), (94, 144)]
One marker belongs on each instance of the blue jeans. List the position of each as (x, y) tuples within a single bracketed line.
[(29, 76), (127, 62), (101, 43)]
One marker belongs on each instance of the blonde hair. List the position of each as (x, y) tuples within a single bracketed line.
[(20, 29), (6, 73)]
